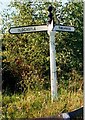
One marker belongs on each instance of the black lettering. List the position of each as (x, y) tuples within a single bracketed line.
[(64, 28), (26, 29)]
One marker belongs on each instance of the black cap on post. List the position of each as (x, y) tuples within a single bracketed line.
[(50, 8), (50, 15)]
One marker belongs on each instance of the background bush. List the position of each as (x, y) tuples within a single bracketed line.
[(26, 60)]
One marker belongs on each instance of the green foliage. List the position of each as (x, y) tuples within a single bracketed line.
[(26, 59), (69, 46), (28, 54)]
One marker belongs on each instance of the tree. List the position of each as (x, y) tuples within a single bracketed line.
[(28, 54), (69, 46)]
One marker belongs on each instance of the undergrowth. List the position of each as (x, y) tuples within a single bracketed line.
[(38, 104)]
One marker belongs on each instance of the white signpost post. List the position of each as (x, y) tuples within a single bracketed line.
[(53, 68), (51, 31)]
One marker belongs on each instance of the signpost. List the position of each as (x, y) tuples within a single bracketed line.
[(63, 28), (53, 71), (51, 32), (27, 29)]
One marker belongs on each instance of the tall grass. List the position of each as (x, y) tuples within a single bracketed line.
[(38, 104)]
